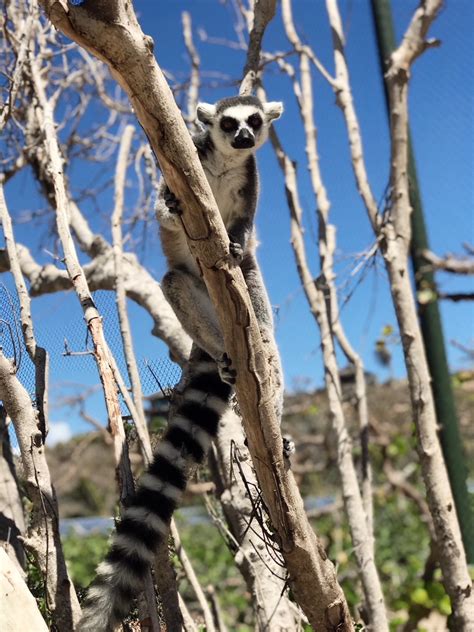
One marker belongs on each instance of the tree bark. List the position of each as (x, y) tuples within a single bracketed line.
[(43, 531), (12, 517), (264, 577), (19, 609)]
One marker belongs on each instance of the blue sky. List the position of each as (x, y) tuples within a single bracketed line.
[(441, 107)]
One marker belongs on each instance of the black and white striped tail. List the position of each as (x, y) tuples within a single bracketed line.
[(146, 520)]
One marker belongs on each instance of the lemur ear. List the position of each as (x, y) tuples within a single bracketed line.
[(273, 110), (206, 112)]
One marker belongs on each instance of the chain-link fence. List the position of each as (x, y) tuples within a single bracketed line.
[(69, 347)]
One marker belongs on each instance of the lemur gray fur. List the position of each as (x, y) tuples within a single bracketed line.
[(236, 128)]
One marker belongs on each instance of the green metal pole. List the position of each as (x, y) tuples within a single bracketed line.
[(430, 319)]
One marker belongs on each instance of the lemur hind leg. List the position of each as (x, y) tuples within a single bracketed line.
[(190, 301)]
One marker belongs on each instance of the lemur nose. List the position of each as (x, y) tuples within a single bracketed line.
[(244, 139)]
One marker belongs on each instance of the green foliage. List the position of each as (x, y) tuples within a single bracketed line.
[(402, 543), (157, 424), (214, 564), (83, 554), (37, 586)]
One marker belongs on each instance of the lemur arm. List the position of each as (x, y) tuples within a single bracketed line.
[(239, 233)]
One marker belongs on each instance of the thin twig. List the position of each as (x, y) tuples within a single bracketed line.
[(193, 580), (121, 297), (195, 80)]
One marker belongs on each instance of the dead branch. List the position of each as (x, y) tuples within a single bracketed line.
[(193, 580), (344, 99), (140, 286), (327, 246), (23, 38), (216, 609), (361, 537), (79, 282), (449, 263), (188, 623)]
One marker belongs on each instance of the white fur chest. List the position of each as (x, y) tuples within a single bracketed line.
[(227, 187)]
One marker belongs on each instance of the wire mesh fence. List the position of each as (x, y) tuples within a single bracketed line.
[(71, 352)]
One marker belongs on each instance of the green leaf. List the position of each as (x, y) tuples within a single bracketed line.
[(420, 596)]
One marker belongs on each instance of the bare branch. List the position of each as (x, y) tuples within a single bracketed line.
[(299, 47), (43, 531), (140, 286), (23, 38), (261, 572), (193, 580), (326, 311), (19, 608), (79, 282), (195, 80), (12, 515), (361, 536), (345, 101), (121, 297), (262, 15), (414, 41), (449, 263)]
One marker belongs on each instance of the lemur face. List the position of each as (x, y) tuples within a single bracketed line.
[(238, 123)]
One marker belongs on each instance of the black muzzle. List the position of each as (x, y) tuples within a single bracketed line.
[(244, 139)]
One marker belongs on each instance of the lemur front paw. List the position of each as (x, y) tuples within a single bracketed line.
[(225, 372), (172, 202), (289, 447), (236, 251)]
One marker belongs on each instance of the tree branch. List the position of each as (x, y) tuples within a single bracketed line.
[(121, 298), (43, 530), (262, 15), (449, 263)]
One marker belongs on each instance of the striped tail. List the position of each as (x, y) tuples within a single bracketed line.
[(145, 521)]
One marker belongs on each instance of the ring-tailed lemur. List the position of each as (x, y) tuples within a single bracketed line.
[(236, 128)]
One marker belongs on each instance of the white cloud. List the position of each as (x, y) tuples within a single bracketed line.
[(59, 432)]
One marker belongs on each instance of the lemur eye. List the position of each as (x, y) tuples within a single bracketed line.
[(228, 124), (255, 121)]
